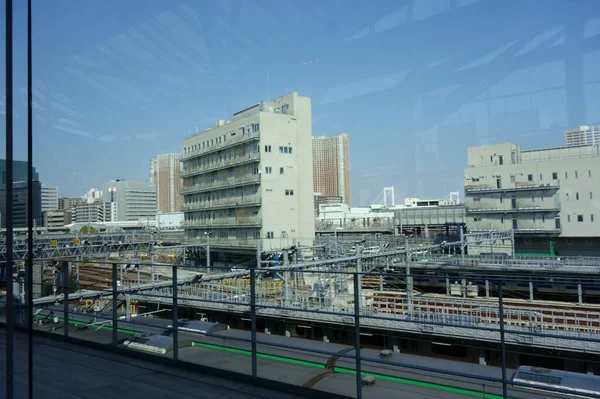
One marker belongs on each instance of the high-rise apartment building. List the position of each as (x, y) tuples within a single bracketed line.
[(132, 200), (49, 198), (549, 198), (165, 174), (249, 181), (583, 135), (331, 166)]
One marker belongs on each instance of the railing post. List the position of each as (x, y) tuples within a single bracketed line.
[(175, 317), (357, 328), (253, 316), (115, 295), (502, 340), (65, 287)]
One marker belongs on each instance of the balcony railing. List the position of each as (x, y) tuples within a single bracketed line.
[(523, 230), (230, 142), (471, 189), (224, 204), (253, 221), (222, 165), (221, 185), (234, 243), (533, 209)]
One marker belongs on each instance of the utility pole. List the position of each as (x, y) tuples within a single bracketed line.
[(287, 278), (462, 245), (409, 282), (358, 274)]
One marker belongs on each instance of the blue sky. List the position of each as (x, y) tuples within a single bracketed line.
[(412, 82)]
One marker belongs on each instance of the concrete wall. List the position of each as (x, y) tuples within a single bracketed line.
[(170, 220), (571, 173), (287, 217)]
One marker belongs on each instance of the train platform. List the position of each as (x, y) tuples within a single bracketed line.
[(63, 370)]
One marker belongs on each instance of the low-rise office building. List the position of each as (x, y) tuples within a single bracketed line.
[(57, 218), (130, 200), (550, 198)]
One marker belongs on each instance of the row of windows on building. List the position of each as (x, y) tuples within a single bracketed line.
[(514, 198), (577, 196), (580, 219), (282, 149), (530, 177), (252, 128), (271, 234), (269, 170), (576, 174)]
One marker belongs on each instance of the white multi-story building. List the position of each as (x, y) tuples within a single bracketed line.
[(49, 198), (91, 211), (131, 200), (249, 180), (550, 198), (58, 218), (93, 194), (583, 135)]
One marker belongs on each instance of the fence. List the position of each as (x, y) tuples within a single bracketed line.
[(252, 323)]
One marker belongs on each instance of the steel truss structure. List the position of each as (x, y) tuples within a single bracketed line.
[(64, 246)]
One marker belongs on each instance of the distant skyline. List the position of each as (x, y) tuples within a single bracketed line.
[(413, 83)]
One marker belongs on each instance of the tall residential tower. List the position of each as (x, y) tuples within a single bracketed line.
[(583, 135), (165, 175), (249, 181), (331, 166)]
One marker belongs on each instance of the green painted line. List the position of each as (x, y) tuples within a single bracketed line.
[(260, 355), (422, 384), (81, 323), (343, 370)]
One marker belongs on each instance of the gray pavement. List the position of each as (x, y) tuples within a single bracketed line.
[(63, 370)]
